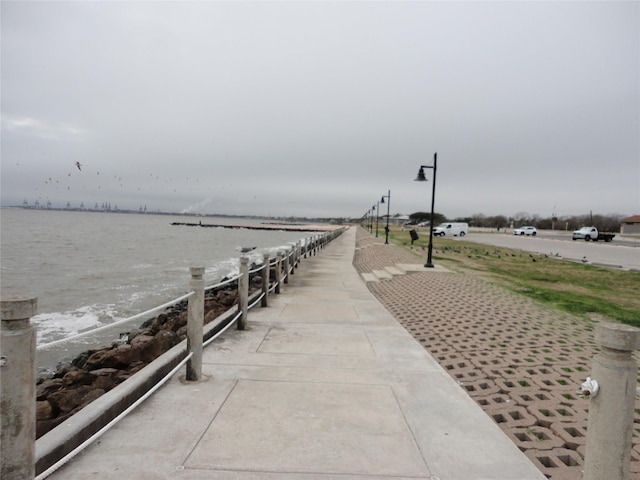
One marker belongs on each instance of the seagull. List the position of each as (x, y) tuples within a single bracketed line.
[(584, 260), (78, 165), (245, 249)]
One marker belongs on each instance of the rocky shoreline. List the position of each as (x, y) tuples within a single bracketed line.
[(94, 372)]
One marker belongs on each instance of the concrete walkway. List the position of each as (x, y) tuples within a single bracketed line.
[(324, 383)]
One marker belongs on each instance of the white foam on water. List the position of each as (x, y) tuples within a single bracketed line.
[(56, 325)]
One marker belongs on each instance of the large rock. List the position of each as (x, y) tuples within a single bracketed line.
[(78, 377), (44, 410), (149, 348), (65, 401), (47, 387)]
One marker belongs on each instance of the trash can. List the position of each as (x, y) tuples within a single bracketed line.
[(414, 236)]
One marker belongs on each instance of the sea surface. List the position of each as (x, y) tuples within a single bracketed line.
[(90, 269)]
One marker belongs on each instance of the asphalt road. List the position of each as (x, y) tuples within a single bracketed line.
[(623, 254)]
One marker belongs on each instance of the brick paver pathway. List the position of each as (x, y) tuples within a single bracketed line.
[(519, 360)]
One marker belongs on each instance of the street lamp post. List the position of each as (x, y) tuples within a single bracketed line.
[(377, 217), (386, 229), (422, 178), (373, 209)]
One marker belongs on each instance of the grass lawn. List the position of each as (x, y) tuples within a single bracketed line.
[(584, 290)]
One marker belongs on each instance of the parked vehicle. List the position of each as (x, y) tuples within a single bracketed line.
[(452, 229), (526, 231), (591, 233)]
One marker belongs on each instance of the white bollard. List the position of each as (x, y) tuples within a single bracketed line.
[(278, 278), (243, 292), (18, 393), (195, 323), (286, 266), (266, 268), (611, 409)]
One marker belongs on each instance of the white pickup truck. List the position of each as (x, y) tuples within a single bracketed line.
[(591, 233)]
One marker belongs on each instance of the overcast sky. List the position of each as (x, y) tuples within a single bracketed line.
[(319, 108)]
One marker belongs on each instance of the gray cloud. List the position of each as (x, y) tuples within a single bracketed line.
[(319, 108)]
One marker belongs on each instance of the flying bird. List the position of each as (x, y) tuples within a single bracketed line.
[(78, 165), (245, 249)]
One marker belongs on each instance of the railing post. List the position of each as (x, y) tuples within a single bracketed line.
[(286, 265), (195, 322), (243, 292), (611, 409), (17, 379), (266, 268), (294, 258), (298, 252), (278, 272)]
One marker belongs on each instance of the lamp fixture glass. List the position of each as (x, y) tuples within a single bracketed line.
[(420, 177)]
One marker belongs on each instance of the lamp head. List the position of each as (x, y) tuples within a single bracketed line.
[(382, 199), (420, 177)]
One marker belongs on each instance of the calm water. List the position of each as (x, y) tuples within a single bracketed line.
[(88, 269)]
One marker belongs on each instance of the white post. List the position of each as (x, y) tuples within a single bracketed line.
[(286, 266), (265, 280), (610, 424), (278, 278), (243, 292), (195, 322), (18, 394), (294, 258)]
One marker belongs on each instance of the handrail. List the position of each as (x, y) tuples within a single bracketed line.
[(222, 330), (170, 303), (223, 283), (46, 346), (256, 301), (257, 269), (108, 426)]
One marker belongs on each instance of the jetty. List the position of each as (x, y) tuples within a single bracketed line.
[(287, 227)]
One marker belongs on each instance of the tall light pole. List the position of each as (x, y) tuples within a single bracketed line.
[(373, 209), (386, 229), (422, 178), (377, 217)]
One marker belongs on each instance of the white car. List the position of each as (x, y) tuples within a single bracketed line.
[(526, 231)]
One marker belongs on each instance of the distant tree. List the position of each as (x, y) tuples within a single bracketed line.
[(419, 217), (477, 220), (522, 218), (497, 221)]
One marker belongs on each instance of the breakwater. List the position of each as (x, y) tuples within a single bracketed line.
[(285, 227)]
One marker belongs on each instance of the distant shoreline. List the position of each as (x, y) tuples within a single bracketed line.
[(272, 220)]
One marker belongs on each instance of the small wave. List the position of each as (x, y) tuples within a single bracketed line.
[(142, 266), (57, 325)]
